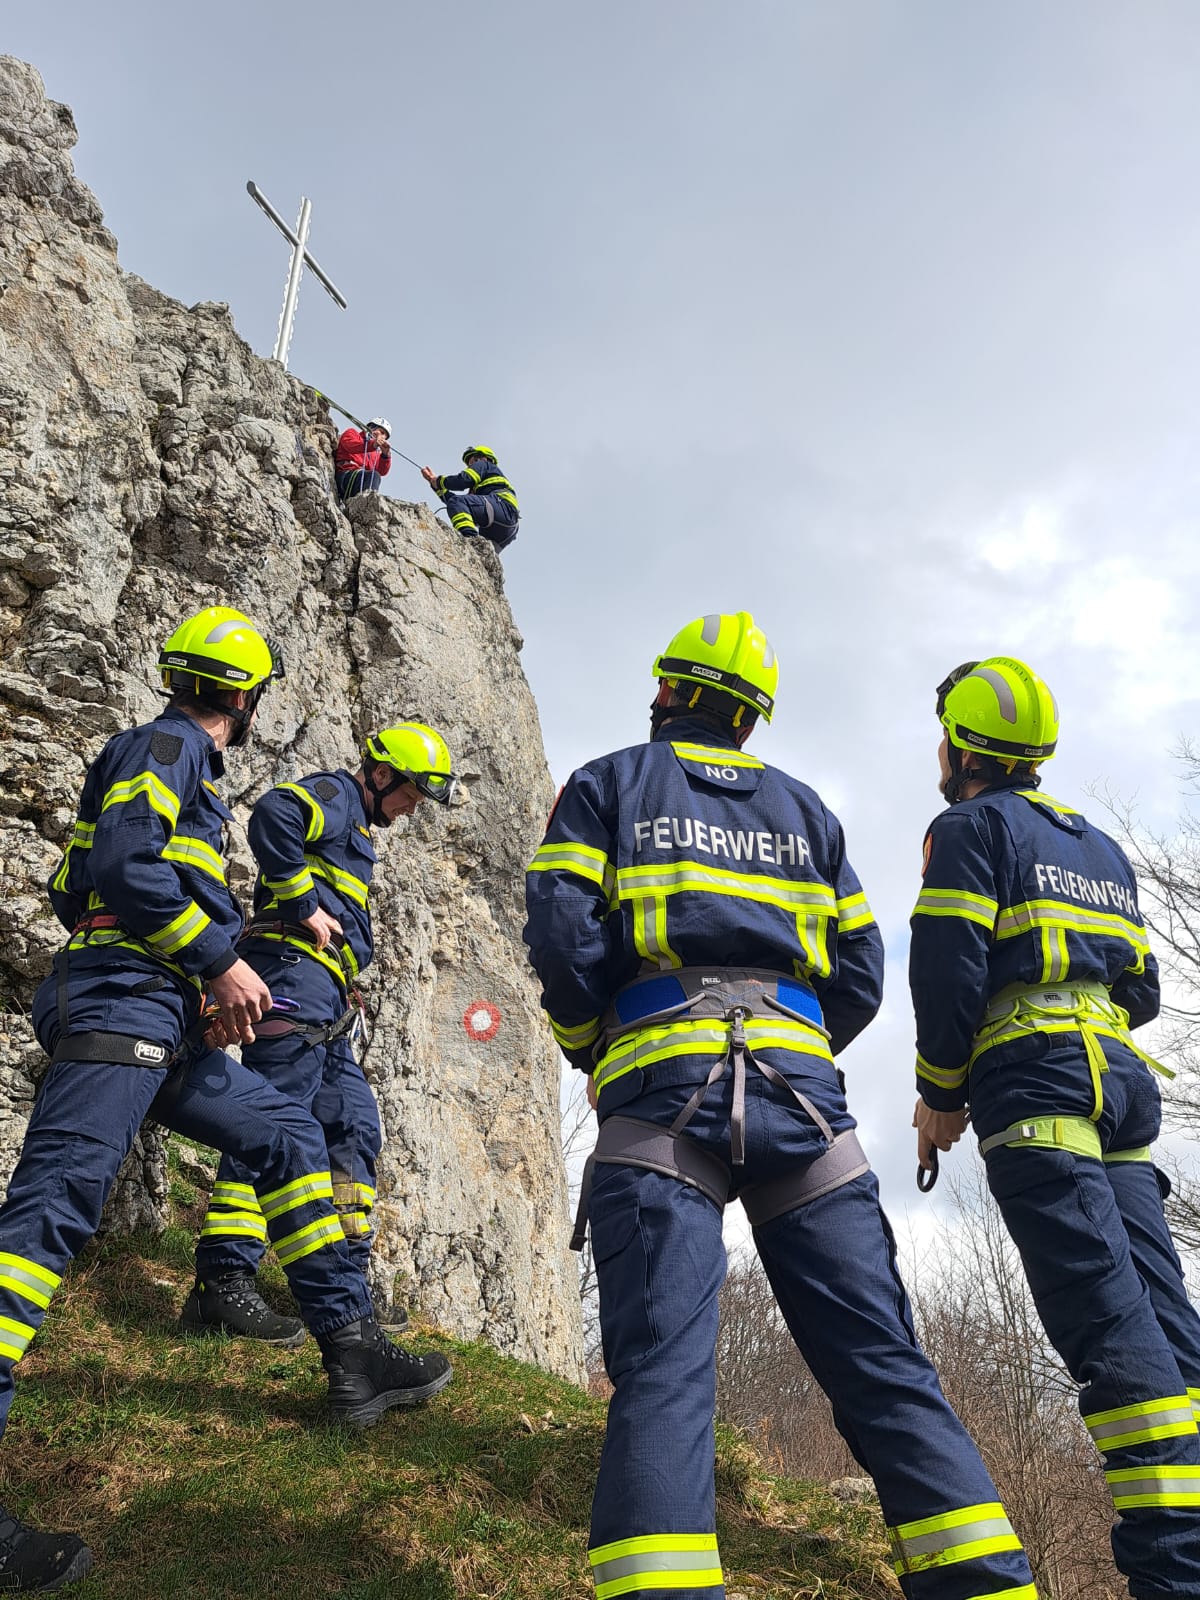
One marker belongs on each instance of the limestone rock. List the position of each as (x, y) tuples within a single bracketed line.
[(150, 463)]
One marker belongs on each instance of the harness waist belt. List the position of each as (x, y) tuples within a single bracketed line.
[(339, 950), (710, 992), (1067, 998), (275, 1027), (629, 1142)]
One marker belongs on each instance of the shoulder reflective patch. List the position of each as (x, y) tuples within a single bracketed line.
[(165, 747), (366, 832), (926, 853), (325, 789)]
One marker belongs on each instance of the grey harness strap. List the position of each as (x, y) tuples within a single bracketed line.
[(628, 1142)]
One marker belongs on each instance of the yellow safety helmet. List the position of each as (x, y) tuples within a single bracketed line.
[(218, 648), (725, 652), (478, 450), (417, 754), (999, 707)]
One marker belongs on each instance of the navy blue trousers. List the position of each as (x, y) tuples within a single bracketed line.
[(1108, 1287), (485, 515), (660, 1263), (327, 1080), (84, 1120), (357, 481)]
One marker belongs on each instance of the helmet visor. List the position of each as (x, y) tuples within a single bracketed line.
[(949, 681)]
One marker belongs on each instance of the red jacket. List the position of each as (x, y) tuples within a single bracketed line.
[(354, 451)]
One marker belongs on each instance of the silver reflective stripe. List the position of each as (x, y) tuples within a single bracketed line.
[(930, 1544), (1123, 1487), (655, 1561), (1138, 1421), (1004, 694), (710, 632)]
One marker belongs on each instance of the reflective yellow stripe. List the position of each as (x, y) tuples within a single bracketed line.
[(680, 877), (27, 1279), (715, 755), (109, 937), (161, 799), (305, 1240), (1138, 1424), (577, 1038), (944, 1077), (706, 1036), (316, 818), (957, 903), (241, 1194), (1063, 915), (293, 888), (1027, 1591), (656, 1561), (80, 840), (15, 1337), (853, 912), (191, 852), (188, 926), (955, 1536), (1132, 1487), (581, 860), (300, 1192), (344, 882), (244, 1224)]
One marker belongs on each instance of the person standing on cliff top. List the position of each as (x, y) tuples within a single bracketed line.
[(362, 461), (485, 503), (308, 940), (141, 886)]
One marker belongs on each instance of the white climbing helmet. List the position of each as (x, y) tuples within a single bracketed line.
[(380, 422)]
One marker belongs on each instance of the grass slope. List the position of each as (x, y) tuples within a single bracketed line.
[(206, 1469)]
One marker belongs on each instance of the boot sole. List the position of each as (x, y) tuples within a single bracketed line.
[(370, 1411), (206, 1330), (79, 1568)]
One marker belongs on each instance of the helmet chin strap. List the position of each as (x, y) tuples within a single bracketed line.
[(379, 795), (665, 706), (952, 789)]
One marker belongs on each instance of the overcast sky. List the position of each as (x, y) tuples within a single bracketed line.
[(876, 319)]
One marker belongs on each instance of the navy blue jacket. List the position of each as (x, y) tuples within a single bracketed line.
[(1018, 888), (468, 481), (312, 843), (689, 852), (148, 848)]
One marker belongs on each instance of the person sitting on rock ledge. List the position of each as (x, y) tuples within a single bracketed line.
[(362, 461), (485, 503), (309, 939)]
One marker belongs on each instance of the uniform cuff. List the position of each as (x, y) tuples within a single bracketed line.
[(220, 965), (941, 1099)]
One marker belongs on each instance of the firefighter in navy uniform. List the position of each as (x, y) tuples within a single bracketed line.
[(1029, 966), (309, 939), (142, 888), (705, 950), (484, 503)]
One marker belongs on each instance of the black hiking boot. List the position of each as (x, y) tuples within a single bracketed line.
[(368, 1374), (32, 1562), (232, 1304)]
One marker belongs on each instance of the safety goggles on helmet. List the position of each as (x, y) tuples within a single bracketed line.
[(948, 682), (439, 786)]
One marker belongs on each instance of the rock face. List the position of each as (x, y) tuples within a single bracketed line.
[(150, 463)]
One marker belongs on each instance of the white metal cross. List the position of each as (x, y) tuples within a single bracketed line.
[(300, 255)]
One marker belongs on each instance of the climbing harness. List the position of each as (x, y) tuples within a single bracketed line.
[(731, 997)]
